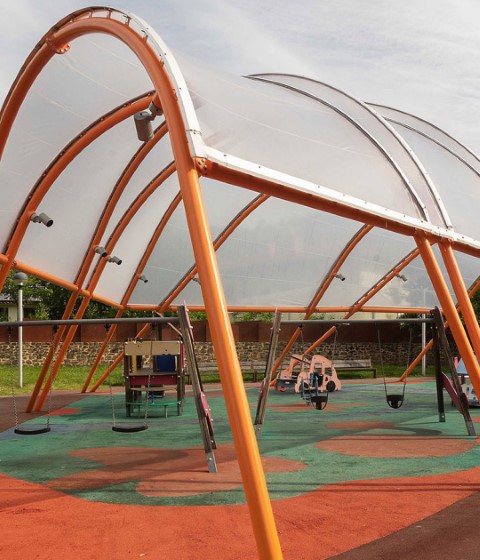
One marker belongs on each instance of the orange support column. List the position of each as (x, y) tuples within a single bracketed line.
[(232, 382), (449, 310), (224, 344), (463, 299)]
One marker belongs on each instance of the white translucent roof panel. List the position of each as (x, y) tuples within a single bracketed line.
[(132, 244), (67, 97), (154, 163), (76, 202), (417, 291), (169, 262), (457, 183), (380, 132), (429, 129), (295, 135), (378, 253), (223, 202), (280, 254)]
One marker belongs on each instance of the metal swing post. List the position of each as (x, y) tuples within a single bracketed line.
[(263, 396), (203, 412)]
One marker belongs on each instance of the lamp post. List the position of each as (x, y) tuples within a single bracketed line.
[(20, 279)]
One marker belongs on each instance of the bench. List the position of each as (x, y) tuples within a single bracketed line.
[(252, 367), (355, 365)]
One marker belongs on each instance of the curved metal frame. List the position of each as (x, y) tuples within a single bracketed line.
[(232, 381)]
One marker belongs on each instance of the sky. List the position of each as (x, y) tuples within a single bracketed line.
[(419, 56)]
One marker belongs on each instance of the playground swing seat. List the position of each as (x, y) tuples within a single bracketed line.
[(129, 428), (22, 430), (394, 400)]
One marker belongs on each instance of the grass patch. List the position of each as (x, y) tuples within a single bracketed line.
[(68, 378), (73, 377)]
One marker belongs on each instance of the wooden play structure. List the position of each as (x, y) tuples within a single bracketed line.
[(150, 367)]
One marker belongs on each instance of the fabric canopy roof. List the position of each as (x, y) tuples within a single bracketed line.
[(357, 180), (259, 192)]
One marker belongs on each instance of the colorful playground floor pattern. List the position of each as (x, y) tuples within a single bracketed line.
[(346, 460)]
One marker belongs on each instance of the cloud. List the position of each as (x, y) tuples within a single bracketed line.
[(417, 56)]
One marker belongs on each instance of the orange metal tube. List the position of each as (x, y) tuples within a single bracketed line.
[(58, 166), (355, 308), (237, 405), (131, 287), (429, 344), (32, 271), (463, 299), (60, 356), (323, 288), (141, 198), (100, 353), (449, 310), (109, 370), (51, 352)]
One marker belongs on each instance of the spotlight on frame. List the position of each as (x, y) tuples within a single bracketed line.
[(101, 251), (115, 260), (341, 277), (402, 277), (41, 218), (143, 278), (143, 122)]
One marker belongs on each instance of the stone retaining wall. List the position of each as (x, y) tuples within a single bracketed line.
[(84, 353)]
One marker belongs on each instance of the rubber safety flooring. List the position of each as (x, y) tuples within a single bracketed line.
[(355, 480)]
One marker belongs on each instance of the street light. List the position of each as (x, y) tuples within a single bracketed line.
[(20, 279)]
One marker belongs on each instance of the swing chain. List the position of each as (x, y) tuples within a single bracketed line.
[(12, 382), (49, 404)]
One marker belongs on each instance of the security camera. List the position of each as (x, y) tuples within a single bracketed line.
[(42, 219), (100, 251), (143, 122), (143, 125)]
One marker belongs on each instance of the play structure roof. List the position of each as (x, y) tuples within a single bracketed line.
[(312, 196)]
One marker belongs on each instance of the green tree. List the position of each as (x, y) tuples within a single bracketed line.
[(265, 317), (476, 304)]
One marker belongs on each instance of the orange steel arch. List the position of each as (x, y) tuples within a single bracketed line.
[(323, 288), (359, 304), (464, 302), (151, 245), (81, 141), (222, 336), (180, 286), (429, 344), (56, 168), (109, 246), (218, 242), (242, 215), (67, 155)]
